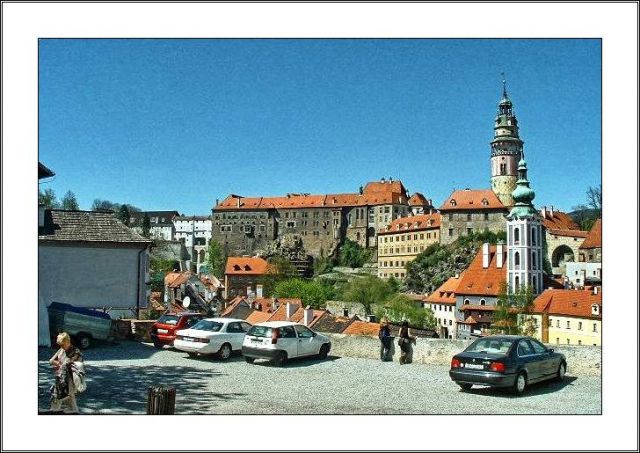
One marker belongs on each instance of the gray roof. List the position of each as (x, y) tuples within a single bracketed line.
[(86, 226)]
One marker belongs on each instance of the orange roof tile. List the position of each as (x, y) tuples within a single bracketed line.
[(417, 199), (257, 317), (569, 233), (384, 187), (233, 304), (414, 223), (594, 238), (362, 328), (238, 265), (472, 199), (446, 293), (175, 279), (568, 302), (479, 281), (281, 313), (558, 221)]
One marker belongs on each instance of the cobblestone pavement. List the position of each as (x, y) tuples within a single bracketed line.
[(118, 377)]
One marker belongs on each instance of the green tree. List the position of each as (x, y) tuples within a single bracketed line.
[(400, 308), (511, 306), (352, 254), (322, 264), (367, 291), (594, 199), (216, 259), (394, 284), (104, 205), (69, 202), (146, 226), (48, 199), (278, 269), (312, 293), (124, 215)]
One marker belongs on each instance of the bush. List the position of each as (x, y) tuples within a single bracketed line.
[(352, 255)]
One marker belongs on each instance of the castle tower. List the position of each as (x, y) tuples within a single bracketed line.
[(524, 237), (506, 150)]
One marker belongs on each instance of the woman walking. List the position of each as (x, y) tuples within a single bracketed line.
[(406, 344), (384, 334), (63, 392)]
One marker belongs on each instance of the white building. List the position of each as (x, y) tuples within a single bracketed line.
[(90, 259), (160, 222), (195, 233), (581, 274)]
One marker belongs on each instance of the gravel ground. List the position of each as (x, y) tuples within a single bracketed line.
[(118, 378)]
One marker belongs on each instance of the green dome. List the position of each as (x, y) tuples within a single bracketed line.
[(523, 194), (505, 101)]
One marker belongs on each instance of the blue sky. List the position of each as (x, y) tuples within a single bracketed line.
[(177, 124)]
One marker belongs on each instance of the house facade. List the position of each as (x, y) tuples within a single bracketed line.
[(442, 302), (195, 232), (591, 248), (403, 240), (161, 224), (242, 276), (563, 239)]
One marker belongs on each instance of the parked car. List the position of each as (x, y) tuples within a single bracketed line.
[(85, 325), (220, 336), (164, 330), (508, 361), (280, 341)]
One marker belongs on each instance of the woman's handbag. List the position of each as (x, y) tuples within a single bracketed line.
[(78, 375)]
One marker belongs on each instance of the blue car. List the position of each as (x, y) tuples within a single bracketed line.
[(508, 361)]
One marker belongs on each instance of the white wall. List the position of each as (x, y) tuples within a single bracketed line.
[(91, 276), (576, 272)]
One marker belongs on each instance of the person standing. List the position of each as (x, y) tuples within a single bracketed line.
[(406, 344), (63, 392), (384, 334)]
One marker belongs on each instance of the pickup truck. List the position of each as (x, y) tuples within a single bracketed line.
[(83, 324)]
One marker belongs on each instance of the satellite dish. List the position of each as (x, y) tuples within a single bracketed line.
[(186, 302), (208, 296)]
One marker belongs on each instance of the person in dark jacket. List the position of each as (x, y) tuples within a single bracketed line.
[(384, 334), (406, 342)]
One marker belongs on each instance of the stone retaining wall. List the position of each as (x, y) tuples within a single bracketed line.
[(581, 360)]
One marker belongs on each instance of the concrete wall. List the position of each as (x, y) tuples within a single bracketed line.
[(92, 277), (581, 360)]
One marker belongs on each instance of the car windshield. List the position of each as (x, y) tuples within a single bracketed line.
[(211, 326), (172, 320), (490, 346), (260, 331)]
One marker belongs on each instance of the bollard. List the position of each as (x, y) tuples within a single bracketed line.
[(161, 400)]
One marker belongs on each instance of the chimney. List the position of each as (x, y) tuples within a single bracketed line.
[(291, 309), (595, 290), (217, 201), (345, 312), (382, 179), (308, 316), (595, 309), (249, 291), (455, 276), (371, 318), (485, 255), (499, 254), (40, 215), (259, 291), (551, 211)]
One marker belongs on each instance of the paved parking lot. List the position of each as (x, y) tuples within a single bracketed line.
[(118, 378)]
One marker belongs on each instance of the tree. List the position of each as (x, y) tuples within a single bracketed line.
[(594, 199), (69, 202), (507, 318), (146, 226), (104, 205), (352, 255), (216, 259), (367, 291), (312, 293), (278, 269), (48, 199), (402, 308), (124, 215)]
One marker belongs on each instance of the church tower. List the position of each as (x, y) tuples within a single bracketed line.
[(524, 237), (506, 150)]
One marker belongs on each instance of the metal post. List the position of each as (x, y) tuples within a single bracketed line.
[(161, 400)]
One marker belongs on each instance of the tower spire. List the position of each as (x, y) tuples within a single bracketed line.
[(504, 86)]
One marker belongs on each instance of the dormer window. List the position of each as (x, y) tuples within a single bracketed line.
[(453, 202), (595, 310), (485, 202), (247, 267), (236, 267)]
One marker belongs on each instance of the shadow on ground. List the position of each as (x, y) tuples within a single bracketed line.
[(123, 390), (102, 350), (540, 388), (299, 363)]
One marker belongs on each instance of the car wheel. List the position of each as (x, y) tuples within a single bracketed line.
[(324, 351), (280, 359), (157, 344), (520, 384), (465, 387), (249, 359), (562, 369), (192, 354), (84, 340), (225, 351)]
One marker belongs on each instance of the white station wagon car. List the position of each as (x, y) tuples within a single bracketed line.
[(220, 336), (280, 341)]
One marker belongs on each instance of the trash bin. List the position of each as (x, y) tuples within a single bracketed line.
[(161, 400)]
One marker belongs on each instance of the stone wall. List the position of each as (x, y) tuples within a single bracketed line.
[(555, 250), (458, 222), (581, 360)]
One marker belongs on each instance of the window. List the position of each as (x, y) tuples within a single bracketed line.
[(568, 324), (516, 259), (469, 231), (568, 341), (516, 235), (579, 325), (422, 235), (469, 217), (533, 236), (537, 347), (517, 282), (235, 327), (291, 224), (524, 348), (486, 216), (503, 169), (466, 302), (450, 217), (558, 323), (595, 327), (450, 231), (225, 228), (303, 332), (450, 322), (579, 342), (483, 302)]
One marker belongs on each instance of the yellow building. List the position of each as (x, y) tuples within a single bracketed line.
[(569, 316), (401, 241)]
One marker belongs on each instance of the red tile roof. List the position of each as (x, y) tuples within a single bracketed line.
[(332, 324), (417, 199), (570, 233), (281, 313), (568, 302), (257, 316), (175, 279), (594, 238), (414, 223), (238, 265), (558, 221), (475, 199), (362, 328), (484, 282), (446, 293)]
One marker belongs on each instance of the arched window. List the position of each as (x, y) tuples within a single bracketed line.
[(533, 261), (535, 283), (533, 236), (516, 259), (483, 302), (517, 283), (466, 301), (516, 235)]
